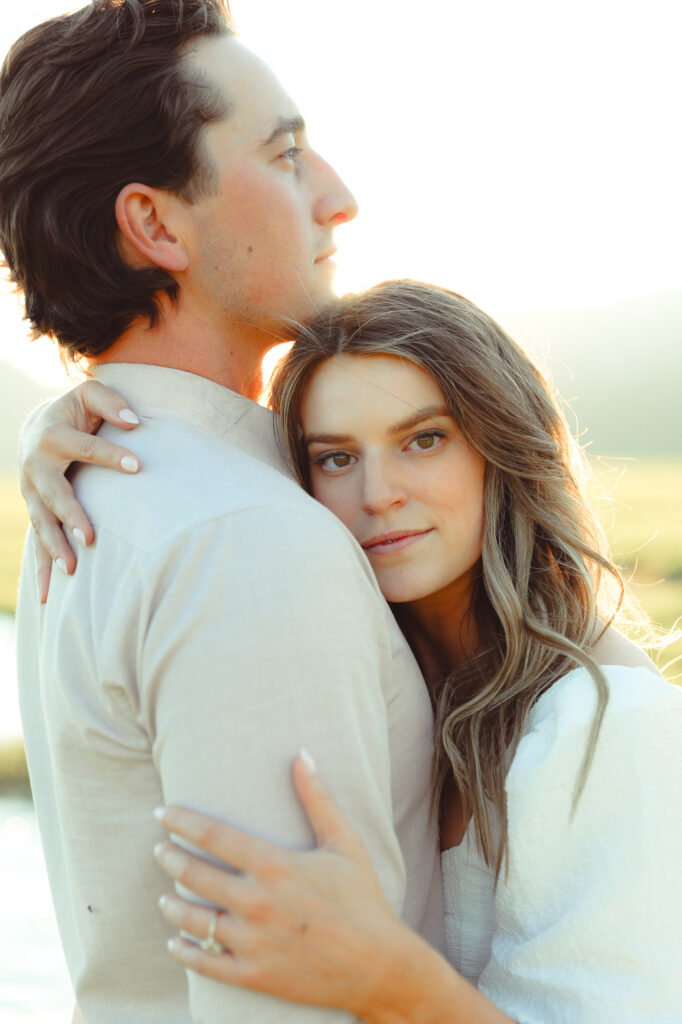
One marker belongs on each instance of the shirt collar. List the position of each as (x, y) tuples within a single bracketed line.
[(201, 404)]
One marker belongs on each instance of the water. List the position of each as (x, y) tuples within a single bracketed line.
[(10, 724), (34, 984)]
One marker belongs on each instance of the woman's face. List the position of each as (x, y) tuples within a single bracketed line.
[(389, 461)]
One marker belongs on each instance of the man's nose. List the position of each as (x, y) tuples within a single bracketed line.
[(381, 490), (335, 202)]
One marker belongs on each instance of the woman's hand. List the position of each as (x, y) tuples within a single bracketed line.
[(311, 927), (54, 436)]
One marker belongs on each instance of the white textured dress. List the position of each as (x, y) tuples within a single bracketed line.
[(586, 925)]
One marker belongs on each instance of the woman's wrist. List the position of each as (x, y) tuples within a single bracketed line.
[(418, 986), (408, 970)]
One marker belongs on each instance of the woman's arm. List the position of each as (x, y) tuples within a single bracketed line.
[(55, 435), (588, 906), (311, 927)]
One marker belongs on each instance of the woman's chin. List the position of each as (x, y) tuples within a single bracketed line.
[(403, 594)]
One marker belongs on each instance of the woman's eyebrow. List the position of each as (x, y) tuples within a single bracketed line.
[(327, 438), (427, 413)]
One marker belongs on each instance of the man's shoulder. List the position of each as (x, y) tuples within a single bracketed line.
[(189, 482)]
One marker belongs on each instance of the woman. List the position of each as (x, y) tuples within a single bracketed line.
[(414, 418)]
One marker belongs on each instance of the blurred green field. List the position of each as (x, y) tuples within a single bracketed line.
[(641, 509), (642, 512), (13, 526)]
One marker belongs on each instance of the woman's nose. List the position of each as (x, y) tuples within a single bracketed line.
[(381, 491)]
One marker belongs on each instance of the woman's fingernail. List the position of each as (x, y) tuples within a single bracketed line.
[(80, 536), (128, 416), (159, 813), (129, 464), (61, 565), (184, 952), (170, 858), (308, 761)]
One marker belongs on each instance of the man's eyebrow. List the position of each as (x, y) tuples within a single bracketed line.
[(427, 413), (285, 126)]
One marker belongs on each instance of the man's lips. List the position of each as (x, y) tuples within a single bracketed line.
[(391, 543)]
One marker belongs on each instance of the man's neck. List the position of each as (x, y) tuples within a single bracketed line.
[(228, 355)]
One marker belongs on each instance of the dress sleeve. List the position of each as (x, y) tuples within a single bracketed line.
[(589, 914)]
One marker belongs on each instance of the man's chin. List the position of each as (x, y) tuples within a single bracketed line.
[(314, 307)]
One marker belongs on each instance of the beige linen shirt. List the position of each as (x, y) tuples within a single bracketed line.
[(221, 621)]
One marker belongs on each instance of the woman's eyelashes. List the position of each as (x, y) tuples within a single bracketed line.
[(337, 461), (426, 440), (333, 462)]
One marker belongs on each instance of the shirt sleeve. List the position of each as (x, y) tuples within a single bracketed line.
[(265, 633), (589, 915)]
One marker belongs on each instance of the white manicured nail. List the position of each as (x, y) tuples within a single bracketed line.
[(61, 565), (159, 813), (128, 416), (308, 761), (80, 536), (129, 464)]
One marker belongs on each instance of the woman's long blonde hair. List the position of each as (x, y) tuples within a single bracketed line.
[(546, 588)]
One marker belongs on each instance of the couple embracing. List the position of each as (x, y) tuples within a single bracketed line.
[(394, 573)]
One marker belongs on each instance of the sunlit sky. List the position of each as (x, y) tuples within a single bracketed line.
[(525, 154)]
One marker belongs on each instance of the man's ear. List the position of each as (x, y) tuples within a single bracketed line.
[(146, 218)]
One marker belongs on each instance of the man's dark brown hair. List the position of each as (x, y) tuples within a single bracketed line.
[(90, 102)]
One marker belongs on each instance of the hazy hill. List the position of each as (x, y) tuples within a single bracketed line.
[(19, 393), (619, 365)]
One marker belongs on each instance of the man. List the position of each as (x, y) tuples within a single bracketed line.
[(165, 217)]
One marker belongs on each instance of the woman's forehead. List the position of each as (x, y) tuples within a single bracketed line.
[(352, 387), (346, 371)]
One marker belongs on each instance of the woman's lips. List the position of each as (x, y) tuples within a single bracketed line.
[(391, 543)]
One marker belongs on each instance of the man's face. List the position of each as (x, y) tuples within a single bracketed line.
[(260, 246)]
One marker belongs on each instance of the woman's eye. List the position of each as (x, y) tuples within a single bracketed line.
[(334, 461), (291, 154), (427, 441)]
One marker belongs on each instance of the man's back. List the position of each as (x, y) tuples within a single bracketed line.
[(221, 621)]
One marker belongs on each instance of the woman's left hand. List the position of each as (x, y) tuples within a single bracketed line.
[(312, 927)]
